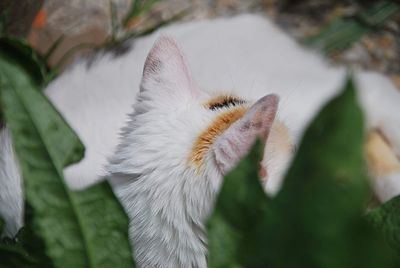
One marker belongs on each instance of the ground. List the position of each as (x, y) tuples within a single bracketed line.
[(86, 24)]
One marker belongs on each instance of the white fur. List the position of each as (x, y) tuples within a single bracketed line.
[(11, 200), (246, 55), (169, 232)]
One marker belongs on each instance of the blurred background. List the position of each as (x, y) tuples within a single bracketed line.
[(365, 33)]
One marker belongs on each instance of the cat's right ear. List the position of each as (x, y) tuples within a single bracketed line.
[(166, 70), (237, 140)]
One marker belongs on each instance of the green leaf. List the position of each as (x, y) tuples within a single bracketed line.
[(113, 20), (106, 226), (73, 225), (12, 254), (387, 220), (379, 13), (330, 161), (176, 17), (344, 31), (317, 219), (328, 184), (24, 250), (338, 35), (50, 51), (5, 15), (23, 53), (237, 228), (134, 10)]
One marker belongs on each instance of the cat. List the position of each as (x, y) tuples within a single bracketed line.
[(166, 158), (202, 137)]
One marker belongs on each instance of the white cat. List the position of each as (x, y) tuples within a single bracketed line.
[(182, 136)]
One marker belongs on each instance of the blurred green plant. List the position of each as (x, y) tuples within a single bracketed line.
[(22, 52), (79, 229), (386, 218), (138, 7), (344, 31), (25, 249), (4, 18), (317, 219), (123, 30)]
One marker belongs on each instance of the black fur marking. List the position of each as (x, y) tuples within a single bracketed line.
[(226, 103)]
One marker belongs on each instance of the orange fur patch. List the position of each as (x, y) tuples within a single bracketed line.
[(280, 137), (207, 137), (277, 149), (380, 156)]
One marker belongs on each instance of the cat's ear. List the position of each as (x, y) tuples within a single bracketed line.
[(166, 69), (237, 140)]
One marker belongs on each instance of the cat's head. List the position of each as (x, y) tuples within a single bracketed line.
[(181, 141)]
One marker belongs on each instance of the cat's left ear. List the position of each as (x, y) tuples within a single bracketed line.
[(166, 70)]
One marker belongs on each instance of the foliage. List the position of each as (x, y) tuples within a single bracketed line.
[(387, 219), (78, 229), (25, 249), (317, 218), (4, 18), (124, 30), (23, 53), (138, 7), (344, 31)]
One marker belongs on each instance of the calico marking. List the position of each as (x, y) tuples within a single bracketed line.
[(218, 126)]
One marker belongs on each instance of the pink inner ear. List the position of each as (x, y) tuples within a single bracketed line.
[(237, 140), (166, 67)]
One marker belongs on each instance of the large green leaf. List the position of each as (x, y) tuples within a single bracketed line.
[(237, 228), (22, 52), (317, 220), (13, 255), (23, 250), (79, 229), (106, 227), (387, 220)]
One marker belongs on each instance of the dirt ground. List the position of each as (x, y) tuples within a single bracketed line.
[(90, 22)]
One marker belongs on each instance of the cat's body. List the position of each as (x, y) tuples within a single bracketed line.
[(245, 56)]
